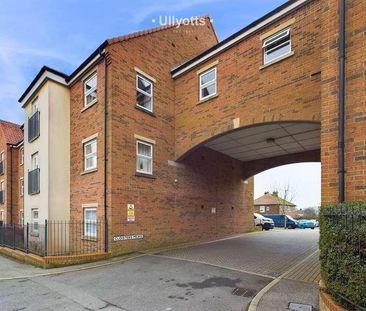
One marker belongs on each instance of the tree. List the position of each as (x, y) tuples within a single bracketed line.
[(310, 213), (285, 191)]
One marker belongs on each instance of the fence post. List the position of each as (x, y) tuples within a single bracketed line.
[(27, 237), (45, 237)]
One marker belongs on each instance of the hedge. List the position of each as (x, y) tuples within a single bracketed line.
[(343, 253)]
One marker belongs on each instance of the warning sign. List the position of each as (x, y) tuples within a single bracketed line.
[(130, 212)]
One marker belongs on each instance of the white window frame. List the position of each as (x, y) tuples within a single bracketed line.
[(2, 185), (93, 154), (21, 217), (35, 106), (145, 93), (2, 156), (272, 39), (202, 86), (144, 156), (21, 186), (88, 92), (21, 156), (35, 221), (90, 234), (35, 156)]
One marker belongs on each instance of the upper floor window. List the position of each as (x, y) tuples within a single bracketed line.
[(35, 161), (21, 156), (34, 175), (2, 166), (90, 155), (33, 122), (277, 46), (21, 186), (2, 192), (144, 157), (144, 93), (90, 90), (35, 106), (208, 84)]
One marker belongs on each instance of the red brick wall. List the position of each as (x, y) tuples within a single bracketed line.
[(13, 202), (355, 137), (288, 90)]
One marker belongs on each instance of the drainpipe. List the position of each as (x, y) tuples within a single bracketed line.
[(106, 247), (11, 183), (341, 107)]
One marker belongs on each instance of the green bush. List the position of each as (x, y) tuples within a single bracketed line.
[(343, 251)]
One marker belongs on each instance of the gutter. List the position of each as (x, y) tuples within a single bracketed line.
[(106, 241), (341, 100)]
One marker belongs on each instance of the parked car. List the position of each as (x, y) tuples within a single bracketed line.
[(265, 223), (283, 221), (307, 223)]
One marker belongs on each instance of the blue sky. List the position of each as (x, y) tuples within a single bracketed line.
[(62, 33)]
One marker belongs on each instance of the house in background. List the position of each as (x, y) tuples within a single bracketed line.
[(271, 203), (11, 173)]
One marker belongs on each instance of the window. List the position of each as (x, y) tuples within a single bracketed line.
[(21, 186), (90, 90), (35, 161), (144, 93), (277, 46), (208, 84), (35, 106), (21, 217), (90, 223), (2, 192), (2, 166), (262, 209), (34, 218), (90, 155), (144, 157), (21, 156)]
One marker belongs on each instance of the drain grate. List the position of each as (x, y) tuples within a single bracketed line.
[(299, 307), (244, 292)]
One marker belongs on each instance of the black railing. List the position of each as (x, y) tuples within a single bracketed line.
[(2, 194), (33, 126), (55, 238), (34, 181), (1, 168)]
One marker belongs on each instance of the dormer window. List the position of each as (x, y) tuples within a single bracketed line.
[(277, 46)]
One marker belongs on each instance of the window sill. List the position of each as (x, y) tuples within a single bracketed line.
[(145, 110), (90, 105), (207, 99), (277, 60), (89, 238), (35, 193), (89, 171), (137, 174)]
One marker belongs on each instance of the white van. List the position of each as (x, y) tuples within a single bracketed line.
[(264, 222)]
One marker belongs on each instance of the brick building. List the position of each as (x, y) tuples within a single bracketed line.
[(11, 173), (165, 128), (271, 203)]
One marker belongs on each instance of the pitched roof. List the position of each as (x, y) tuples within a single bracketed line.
[(126, 38), (12, 132), (148, 31), (272, 199), (265, 20)]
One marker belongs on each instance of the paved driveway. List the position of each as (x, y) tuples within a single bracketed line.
[(195, 278)]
